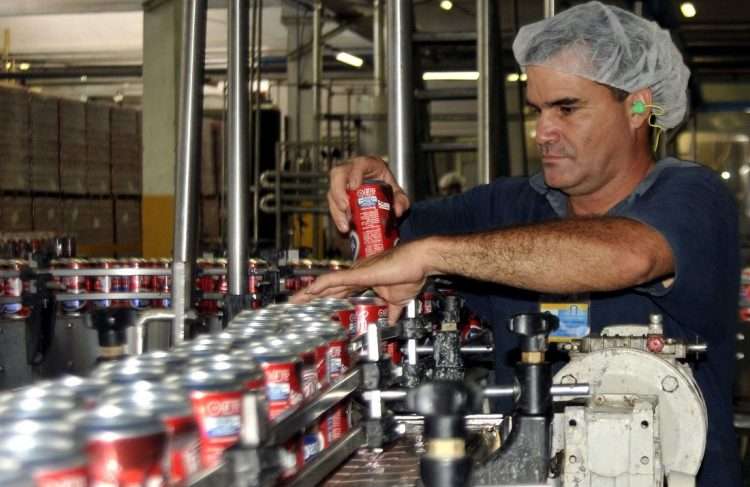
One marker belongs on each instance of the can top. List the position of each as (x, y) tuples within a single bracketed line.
[(200, 378), (160, 402), (82, 387), (333, 304), (305, 342), (325, 331), (34, 451), (120, 390), (132, 372), (277, 351), (109, 418), (366, 300), (12, 474), (41, 390), (171, 359), (35, 408), (44, 428)]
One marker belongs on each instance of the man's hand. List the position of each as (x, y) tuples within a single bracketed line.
[(350, 176), (396, 275)]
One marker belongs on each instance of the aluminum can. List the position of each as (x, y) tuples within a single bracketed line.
[(35, 408), (102, 284), (63, 428), (367, 310), (307, 273), (51, 460), (118, 391), (282, 369), (207, 283), (314, 354), (313, 442), (139, 284), (182, 431), (247, 371), (172, 361), (74, 285), (336, 423), (13, 474), (338, 361), (291, 457), (126, 446), (257, 271), (117, 373), (162, 284), (373, 221), (87, 390), (216, 399), (120, 284), (14, 287)]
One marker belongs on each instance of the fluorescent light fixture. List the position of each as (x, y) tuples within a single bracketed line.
[(264, 85), (24, 66), (523, 77), (513, 77), (84, 78), (446, 4), (350, 59), (450, 76), (688, 9), (726, 175)]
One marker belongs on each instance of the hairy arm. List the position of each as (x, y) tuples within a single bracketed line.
[(565, 256)]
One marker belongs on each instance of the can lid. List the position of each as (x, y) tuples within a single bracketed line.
[(202, 378), (275, 351), (109, 417), (35, 408), (82, 387), (42, 428), (304, 341), (161, 402), (12, 474), (366, 300), (42, 390), (121, 390), (34, 451), (133, 372)]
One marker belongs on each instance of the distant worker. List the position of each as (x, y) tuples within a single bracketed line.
[(451, 184)]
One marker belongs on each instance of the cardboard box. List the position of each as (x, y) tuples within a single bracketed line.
[(15, 214), (128, 222), (48, 215)]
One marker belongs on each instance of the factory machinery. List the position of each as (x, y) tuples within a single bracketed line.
[(298, 394)]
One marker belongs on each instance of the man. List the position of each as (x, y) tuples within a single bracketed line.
[(603, 226)]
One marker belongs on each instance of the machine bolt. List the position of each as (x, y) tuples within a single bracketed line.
[(599, 399), (644, 460), (569, 379), (669, 384), (572, 459)]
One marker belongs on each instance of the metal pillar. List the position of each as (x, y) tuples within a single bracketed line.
[(188, 158), (492, 141), (317, 71), (549, 8), (378, 47), (237, 144), (401, 93)]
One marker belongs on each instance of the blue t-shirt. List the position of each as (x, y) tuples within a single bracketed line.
[(690, 206)]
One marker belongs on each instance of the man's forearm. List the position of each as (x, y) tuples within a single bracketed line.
[(565, 256)]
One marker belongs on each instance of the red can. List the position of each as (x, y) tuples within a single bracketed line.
[(13, 474), (139, 284), (393, 348), (374, 223), (162, 284), (207, 282), (312, 350), (282, 369), (257, 270), (52, 460), (335, 423), (120, 284), (14, 287), (102, 284), (216, 398), (367, 310), (177, 416), (291, 457), (125, 446)]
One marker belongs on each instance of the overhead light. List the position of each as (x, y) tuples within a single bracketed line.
[(688, 9), (513, 77), (725, 175), (350, 59), (24, 66), (118, 97), (84, 78), (523, 77), (446, 4), (8, 65), (450, 76), (264, 85)]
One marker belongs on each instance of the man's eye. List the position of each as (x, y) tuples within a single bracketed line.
[(567, 110)]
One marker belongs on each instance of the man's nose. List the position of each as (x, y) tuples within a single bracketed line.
[(546, 130)]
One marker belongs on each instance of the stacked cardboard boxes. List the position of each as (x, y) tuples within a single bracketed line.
[(14, 140), (72, 147), (97, 149), (126, 152), (45, 144)]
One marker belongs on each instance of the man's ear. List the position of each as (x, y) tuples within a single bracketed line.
[(638, 105)]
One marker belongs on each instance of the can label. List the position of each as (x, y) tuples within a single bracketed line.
[(312, 444), (393, 348), (103, 284), (371, 311), (337, 422), (374, 225), (13, 287), (283, 387), (338, 360), (184, 449), (291, 457), (138, 460), (66, 477), (219, 421)]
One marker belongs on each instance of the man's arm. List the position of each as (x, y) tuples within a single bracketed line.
[(564, 256)]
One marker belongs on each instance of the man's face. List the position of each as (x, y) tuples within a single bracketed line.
[(582, 130)]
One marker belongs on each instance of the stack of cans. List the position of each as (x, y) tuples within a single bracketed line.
[(14, 287)]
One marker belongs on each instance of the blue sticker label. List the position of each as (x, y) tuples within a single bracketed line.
[(574, 318)]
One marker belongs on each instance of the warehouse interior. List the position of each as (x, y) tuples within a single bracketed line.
[(146, 200)]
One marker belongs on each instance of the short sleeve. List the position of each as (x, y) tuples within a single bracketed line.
[(692, 209)]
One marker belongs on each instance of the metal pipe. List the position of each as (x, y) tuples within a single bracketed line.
[(549, 8), (188, 157), (378, 47), (401, 93), (255, 104), (317, 69), (501, 391), (565, 390), (237, 143), (428, 349)]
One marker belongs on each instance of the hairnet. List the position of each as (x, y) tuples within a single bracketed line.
[(611, 46)]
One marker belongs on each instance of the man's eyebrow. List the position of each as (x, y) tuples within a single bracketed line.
[(556, 103)]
